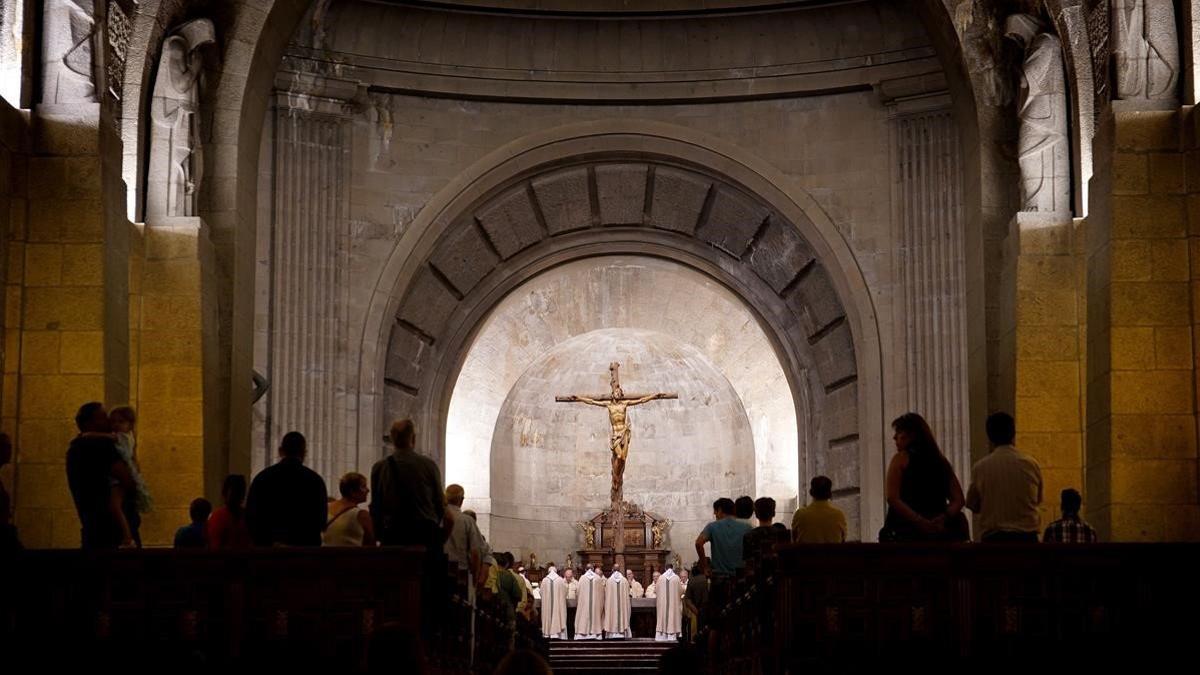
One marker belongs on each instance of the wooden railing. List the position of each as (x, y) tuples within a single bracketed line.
[(197, 610), (963, 605)]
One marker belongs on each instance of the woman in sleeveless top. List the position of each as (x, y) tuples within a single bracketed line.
[(348, 525), (925, 499)]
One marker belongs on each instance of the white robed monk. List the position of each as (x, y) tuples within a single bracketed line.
[(667, 591), (617, 606), (589, 607), (635, 588), (554, 605)]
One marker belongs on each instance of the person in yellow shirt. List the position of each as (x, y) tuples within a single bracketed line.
[(820, 522)]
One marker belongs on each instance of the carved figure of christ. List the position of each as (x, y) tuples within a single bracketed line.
[(617, 405)]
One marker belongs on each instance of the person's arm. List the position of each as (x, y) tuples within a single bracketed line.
[(1040, 484), (581, 399), (116, 499), (647, 399), (376, 503), (895, 476), (320, 507), (700, 542), (974, 499), (957, 502), (364, 519)]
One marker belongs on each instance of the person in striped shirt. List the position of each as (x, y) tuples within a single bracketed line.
[(1070, 529)]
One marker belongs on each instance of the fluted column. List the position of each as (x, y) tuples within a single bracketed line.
[(308, 304), (931, 270)]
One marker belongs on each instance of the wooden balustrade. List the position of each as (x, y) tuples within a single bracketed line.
[(963, 606), (194, 610)]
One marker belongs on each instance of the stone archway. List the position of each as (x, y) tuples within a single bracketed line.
[(627, 188)]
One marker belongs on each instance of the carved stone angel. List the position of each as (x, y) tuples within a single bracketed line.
[(589, 533)]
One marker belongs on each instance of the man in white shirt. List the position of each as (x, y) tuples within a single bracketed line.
[(466, 545), (1006, 487)]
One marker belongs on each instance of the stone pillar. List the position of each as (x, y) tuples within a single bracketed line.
[(1141, 440), (176, 326), (928, 189), (73, 302), (309, 365), (1048, 351)]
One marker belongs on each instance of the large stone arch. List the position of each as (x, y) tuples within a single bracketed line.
[(254, 36), (448, 270)]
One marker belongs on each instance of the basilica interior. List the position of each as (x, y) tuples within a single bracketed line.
[(796, 220)]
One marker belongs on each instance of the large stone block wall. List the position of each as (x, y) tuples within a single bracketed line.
[(1141, 435)]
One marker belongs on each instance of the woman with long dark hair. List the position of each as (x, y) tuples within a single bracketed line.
[(925, 500), (227, 526)]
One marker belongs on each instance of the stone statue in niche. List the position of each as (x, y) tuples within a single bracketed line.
[(68, 32), (1043, 146), (176, 162), (1145, 48)]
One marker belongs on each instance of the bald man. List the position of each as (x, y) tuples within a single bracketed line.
[(466, 545)]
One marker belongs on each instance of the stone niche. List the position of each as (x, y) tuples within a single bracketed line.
[(550, 462)]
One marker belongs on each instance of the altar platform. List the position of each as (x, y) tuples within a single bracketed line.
[(641, 619)]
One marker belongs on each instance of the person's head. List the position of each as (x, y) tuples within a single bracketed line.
[(1001, 429), (629, 574), (122, 419), (455, 494), (200, 510), (353, 487), (683, 574), (723, 508), (521, 570), (523, 662), (233, 491), (568, 574), (293, 446), (1072, 501), (821, 488), (744, 507), (404, 435), (6, 449), (1021, 28), (655, 576), (92, 417), (470, 513), (912, 435), (764, 510)]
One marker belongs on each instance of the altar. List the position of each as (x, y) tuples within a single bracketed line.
[(641, 545), (642, 618)]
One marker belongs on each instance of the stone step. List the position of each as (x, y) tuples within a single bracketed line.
[(587, 657)]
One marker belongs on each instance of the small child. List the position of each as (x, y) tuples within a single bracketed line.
[(122, 420)]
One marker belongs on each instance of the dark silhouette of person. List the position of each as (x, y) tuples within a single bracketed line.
[(287, 501)]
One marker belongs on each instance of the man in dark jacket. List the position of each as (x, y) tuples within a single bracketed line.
[(95, 473), (287, 503)]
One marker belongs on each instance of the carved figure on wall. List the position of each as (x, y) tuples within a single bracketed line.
[(68, 66), (617, 405), (1145, 46), (176, 160), (589, 534), (658, 532), (1043, 146)]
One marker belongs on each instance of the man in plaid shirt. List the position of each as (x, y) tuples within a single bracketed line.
[(1070, 529)]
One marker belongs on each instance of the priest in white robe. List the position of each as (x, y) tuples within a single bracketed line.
[(589, 607), (635, 588), (651, 591), (669, 608), (572, 584), (618, 606), (554, 605)]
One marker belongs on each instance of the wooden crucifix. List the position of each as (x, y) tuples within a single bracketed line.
[(617, 405)]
